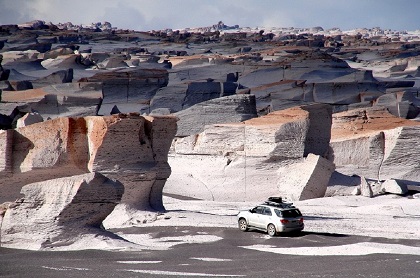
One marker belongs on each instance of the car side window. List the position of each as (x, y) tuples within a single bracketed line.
[(278, 212), (258, 210), (267, 211)]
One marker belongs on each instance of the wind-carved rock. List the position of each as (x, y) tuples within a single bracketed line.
[(143, 171), (58, 213), (305, 180), (131, 89), (365, 188), (125, 148), (244, 157), (236, 108), (375, 144)]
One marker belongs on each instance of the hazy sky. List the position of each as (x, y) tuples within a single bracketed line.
[(160, 14)]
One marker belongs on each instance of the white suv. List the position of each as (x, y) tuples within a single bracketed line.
[(272, 216)]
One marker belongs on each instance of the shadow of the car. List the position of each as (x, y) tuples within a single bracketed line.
[(303, 233), (308, 217), (299, 234)]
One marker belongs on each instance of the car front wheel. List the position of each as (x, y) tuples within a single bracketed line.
[(271, 230), (243, 226)]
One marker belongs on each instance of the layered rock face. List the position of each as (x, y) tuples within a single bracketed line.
[(43, 151), (129, 89), (375, 144), (235, 108), (311, 182), (129, 149), (54, 101), (244, 157)]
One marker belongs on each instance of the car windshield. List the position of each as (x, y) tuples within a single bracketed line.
[(290, 213)]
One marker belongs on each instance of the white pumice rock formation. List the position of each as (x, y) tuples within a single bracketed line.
[(131, 89), (236, 108), (239, 161), (365, 188), (6, 137), (305, 180), (375, 144), (124, 147), (139, 162), (402, 102), (58, 212), (394, 187)]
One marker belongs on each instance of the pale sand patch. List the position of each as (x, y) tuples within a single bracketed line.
[(181, 274), (146, 241), (357, 249), (211, 259), (139, 262)]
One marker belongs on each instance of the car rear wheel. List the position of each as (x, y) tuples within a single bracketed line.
[(243, 226), (271, 230)]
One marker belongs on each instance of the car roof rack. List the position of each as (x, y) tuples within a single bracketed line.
[(279, 205), (275, 199), (278, 202)]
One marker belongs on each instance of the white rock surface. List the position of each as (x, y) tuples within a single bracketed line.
[(59, 212), (236, 108), (365, 188), (402, 154), (128, 148), (28, 119), (394, 187), (305, 180), (375, 144), (244, 157), (6, 137)]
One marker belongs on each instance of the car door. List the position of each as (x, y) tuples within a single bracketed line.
[(265, 218), (254, 216)]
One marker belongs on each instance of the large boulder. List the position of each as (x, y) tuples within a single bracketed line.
[(401, 154), (394, 187), (54, 53), (58, 213), (366, 188), (311, 182), (43, 151)]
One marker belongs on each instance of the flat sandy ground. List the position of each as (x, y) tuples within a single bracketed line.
[(388, 216)]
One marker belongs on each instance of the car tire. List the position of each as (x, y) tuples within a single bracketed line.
[(271, 230), (242, 225)]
